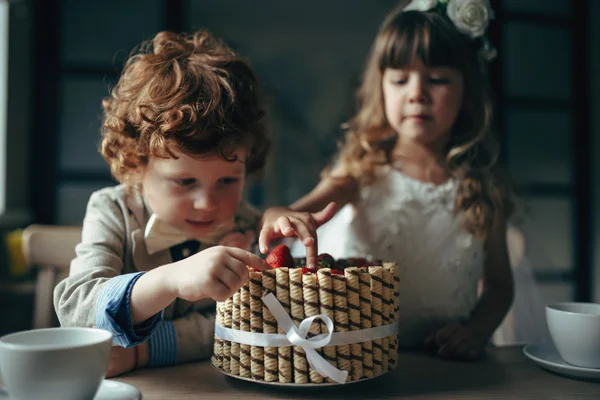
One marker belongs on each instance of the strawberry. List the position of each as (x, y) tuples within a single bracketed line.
[(307, 271), (312, 269), (324, 260), (337, 272), (280, 256), (338, 266), (358, 262)]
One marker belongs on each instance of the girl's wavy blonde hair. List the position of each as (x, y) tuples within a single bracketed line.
[(184, 93), (471, 151)]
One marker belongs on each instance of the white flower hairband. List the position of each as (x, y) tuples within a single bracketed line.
[(470, 17)]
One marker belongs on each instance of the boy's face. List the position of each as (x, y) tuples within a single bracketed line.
[(195, 194)]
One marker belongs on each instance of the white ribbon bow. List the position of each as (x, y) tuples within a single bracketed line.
[(296, 336)]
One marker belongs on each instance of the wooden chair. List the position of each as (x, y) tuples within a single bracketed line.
[(50, 249)]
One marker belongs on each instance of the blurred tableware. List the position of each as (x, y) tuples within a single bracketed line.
[(54, 363), (575, 331)]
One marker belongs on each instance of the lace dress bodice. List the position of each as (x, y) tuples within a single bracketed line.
[(414, 224)]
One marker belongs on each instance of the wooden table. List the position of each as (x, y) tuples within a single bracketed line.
[(504, 373)]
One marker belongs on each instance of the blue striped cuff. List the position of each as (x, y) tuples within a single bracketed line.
[(113, 312), (163, 345)]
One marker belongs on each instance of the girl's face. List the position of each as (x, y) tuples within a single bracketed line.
[(422, 103), (195, 194)]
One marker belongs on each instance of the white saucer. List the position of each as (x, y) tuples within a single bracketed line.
[(546, 356), (109, 390), (113, 390)]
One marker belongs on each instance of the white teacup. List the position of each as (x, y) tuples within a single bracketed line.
[(575, 331), (54, 363)]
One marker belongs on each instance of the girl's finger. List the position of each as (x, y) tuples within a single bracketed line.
[(308, 239), (285, 226), (430, 340), (325, 214), (303, 232), (450, 348), (311, 256), (442, 336), (468, 350), (264, 238)]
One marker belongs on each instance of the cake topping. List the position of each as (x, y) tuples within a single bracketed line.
[(280, 256)]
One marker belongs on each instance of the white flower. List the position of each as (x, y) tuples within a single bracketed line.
[(470, 16), (420, 5)]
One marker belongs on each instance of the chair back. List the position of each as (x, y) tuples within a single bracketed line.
[(49, 249)]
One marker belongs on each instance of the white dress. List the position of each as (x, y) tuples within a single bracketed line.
[(413, 223)]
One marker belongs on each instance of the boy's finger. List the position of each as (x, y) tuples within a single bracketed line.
[(249, 259), (325, 214), (231, 277)]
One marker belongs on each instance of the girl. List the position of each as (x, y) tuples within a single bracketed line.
[(181, 130), (417, 180)]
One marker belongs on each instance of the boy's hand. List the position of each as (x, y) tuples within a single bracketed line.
[(281, 221), (457, 341), (216, 273), (123, 360)]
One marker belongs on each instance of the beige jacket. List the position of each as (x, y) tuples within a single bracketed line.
[(113, 244)]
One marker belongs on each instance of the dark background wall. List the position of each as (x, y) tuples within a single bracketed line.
[(65, 54)]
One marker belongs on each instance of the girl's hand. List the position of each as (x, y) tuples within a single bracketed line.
[(123, 360), (457, 341), (216, 273), (277, 222)]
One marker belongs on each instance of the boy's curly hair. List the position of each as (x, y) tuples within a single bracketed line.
[(184, 93)]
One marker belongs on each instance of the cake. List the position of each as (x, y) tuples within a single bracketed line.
[(356, 295)]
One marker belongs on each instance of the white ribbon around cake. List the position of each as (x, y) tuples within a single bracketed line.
[(297, 336)]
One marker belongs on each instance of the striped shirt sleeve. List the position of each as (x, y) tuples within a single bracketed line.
[(113, 312)]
